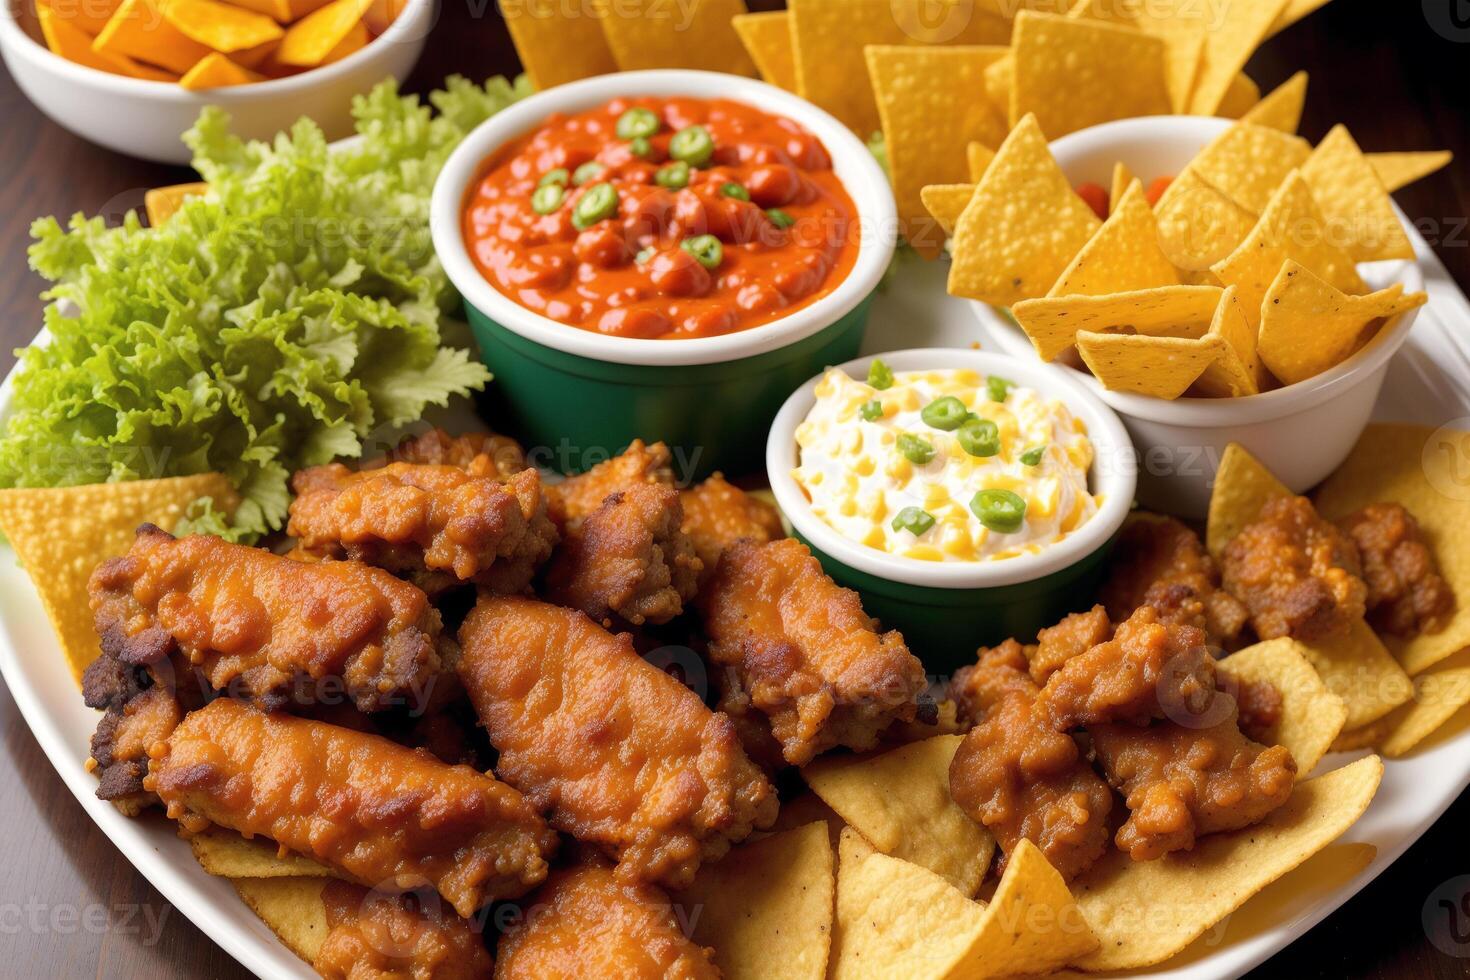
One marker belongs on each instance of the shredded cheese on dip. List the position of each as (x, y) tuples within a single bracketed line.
[(859, 479)]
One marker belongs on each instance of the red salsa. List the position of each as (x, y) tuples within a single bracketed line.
[(663, 218)]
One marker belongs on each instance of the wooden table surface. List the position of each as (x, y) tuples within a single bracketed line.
[(73, 906)]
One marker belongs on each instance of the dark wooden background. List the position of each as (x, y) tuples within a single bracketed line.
[(71, 905)]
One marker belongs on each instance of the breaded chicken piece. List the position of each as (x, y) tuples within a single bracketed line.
[(1182, 782), (1406, 594), (717, 514), (586, 922), (1018, 777), (627, 559), (437, 525), (798, 648), (620, 754), (1072, 637), (481, 453), (571, 500), (375, 811), (1159, 561), (1299, 575), (376, 935), (264, 627)]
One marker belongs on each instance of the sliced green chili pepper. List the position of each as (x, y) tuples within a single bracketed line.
[(999, 510)]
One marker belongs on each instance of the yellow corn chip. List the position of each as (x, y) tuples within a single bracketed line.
[(766, 909), (1249, 162), (693, 34), (805, 809), (998, 85), (87, 16), (1123, 256), (1295, 11), (160, 203), (1309, 326), (1237, 371), (1311, 715), (1053, 322), (1145, 912), (767, 39), (1161, 367), (977, 159), (899, 801), (926, 101), (828, 37), (1022, 226), (1282, 109), (1423, 469), (1354, 201), (1198, 224), (1240, 97), (1439, 696), (1291, 227), (1367, 737), (1074, 73), (946, 202), (1358, 668), (557, 42), (214, 70), (226, 854), (221, 26), (309, 41), (61, 535), (1122, 177), (1242, 487), (138, 30), (291, 907), (1400, 169), (1228, 46), (1183, 37)]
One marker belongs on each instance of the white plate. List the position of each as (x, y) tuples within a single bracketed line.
[(1428, 383)]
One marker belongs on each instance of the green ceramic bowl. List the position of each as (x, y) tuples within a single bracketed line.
[(575, 397), (946, 610)]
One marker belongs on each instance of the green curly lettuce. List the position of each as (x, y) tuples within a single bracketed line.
[(271, 324)]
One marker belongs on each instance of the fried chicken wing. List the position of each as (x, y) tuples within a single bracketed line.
[(481, 453), (1181, 783), (1018, 777), (799, 648), (629, 559), (586, 922), (1152, 559), (265, 627), (1406, 594), (438, 525), (387, 936), (619, 753), (717, 514), (574, 498), (1070, 638), (1297, 574), (377, 812)]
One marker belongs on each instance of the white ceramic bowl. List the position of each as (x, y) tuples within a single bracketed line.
[(146, 118), (1301, 432)]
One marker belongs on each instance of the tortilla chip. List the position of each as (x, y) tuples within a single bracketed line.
[(1282, 109), (87, 17), (690, 34), (1160, 367), (766, 908), (1359, 669), (1053, 322), (998, 85), (1073, 73), (216, 71), (977, 159), (1311, 715), (61, 535), (161, 203), (1249, 162), (221, 26), (1308, 326), (557, 42), (311, 39), (1439, 695), (1423, 469), (926, 102), (1237, 371), (1291, 227), (899, 801), (1242, 487), (1400, 169), (1145, 912), (946, 202), (1122, 177), (1240, 97), (226, 854), (1123, 256), (767, 39), (292, 908), (1228, 46), (1295, 11), (895, 919), (1198, 224), (1356, 204), (138, 30), (805, 809), (1367, 737), (1022, 226)]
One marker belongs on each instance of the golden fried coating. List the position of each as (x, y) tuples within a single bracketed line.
[(717, 514), (627, 559), (574, 498), (379, 813), (1149, 669), (1406, 594), (619, 753), (1021, 779), (121, 743), (265, 627), (1297, 574), (481, 453), (799, 648), (586, 922), (1182, 782), (1070, 638), (439, 525), (385, 936), (1153, 554)]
